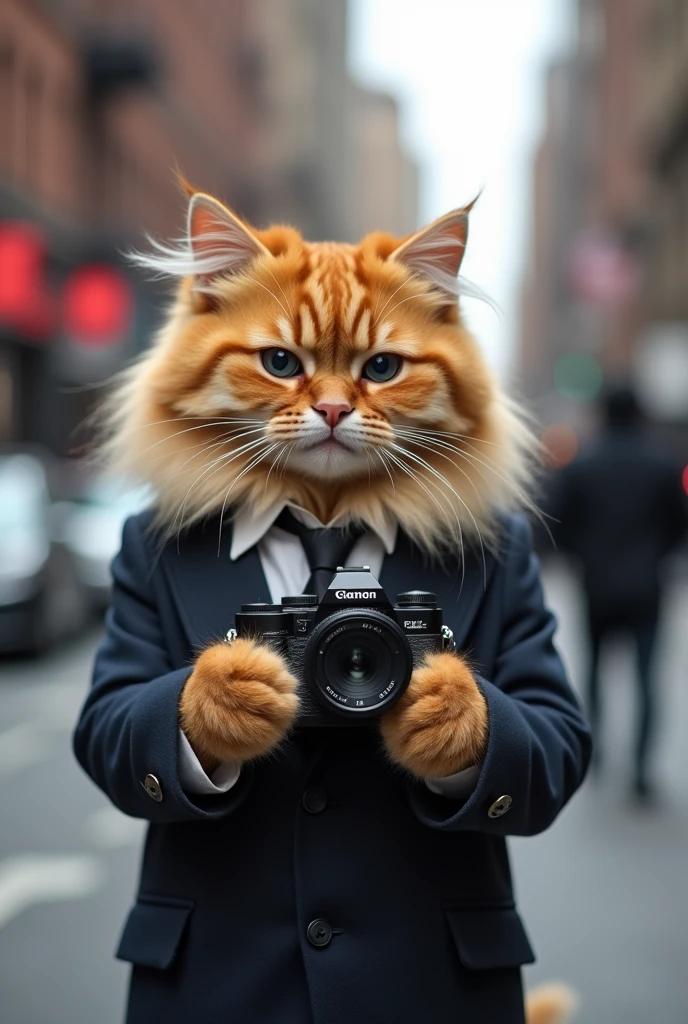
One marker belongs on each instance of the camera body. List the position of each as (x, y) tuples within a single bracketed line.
[(353, 652)]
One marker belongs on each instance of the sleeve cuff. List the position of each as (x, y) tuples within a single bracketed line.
[(194, 780), (456, 787), (505, 770)]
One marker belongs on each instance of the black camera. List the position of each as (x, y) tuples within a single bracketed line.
[(354, 652)]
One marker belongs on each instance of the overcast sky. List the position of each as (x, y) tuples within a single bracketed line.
[(470, 78)]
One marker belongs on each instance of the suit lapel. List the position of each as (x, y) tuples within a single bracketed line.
[(459, 593), (207, 586)]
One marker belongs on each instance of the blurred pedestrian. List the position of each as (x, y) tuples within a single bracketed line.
[(619, 509)]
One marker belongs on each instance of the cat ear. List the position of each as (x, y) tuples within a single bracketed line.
[(219, 242), (436, 251)]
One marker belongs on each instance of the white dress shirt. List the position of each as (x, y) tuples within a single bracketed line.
[(286, 570)]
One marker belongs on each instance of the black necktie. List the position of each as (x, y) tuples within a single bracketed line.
[(325, 549)]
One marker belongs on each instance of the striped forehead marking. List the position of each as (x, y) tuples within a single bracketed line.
[(334, 300)]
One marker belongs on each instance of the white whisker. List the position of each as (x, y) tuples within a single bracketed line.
[(430, 446), (369, 464), (406, 281), (284, 445), (284, 466), (380, 453), (436, 443), (252, 462), (178, 433), (400, 303), (443, 480), (179, 419), (216, 464), (228, 439), (449, 433), (280, 304), (284, 294), (489, 465), (415, 477)]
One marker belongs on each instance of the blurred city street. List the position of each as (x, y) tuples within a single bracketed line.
[(562, 128), (603, 892)]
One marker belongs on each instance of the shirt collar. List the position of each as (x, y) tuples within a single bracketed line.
[(250, 528)]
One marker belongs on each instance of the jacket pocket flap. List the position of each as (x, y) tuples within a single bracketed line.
[(153, 931), (489, 938)]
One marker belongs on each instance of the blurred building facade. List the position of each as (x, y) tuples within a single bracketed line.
[(605, 294), (328, 152), (100, 102), (388, 200), (663, 131)]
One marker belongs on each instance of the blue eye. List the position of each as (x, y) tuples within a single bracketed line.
[(281, 363), (382, 368)]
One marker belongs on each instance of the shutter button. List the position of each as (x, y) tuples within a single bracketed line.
[(314, 800), (319, 932)]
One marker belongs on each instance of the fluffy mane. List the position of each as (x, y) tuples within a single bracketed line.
[(207, 419)]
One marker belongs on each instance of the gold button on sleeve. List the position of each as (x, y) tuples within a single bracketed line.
[(500, 806)]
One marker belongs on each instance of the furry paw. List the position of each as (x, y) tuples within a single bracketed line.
[(238, 702), (550, 1004), (439, 726)]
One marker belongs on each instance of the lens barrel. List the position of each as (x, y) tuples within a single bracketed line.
[(358, 662), (263, 620)]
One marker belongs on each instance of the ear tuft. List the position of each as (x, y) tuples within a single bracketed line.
[(216, 243), (436, 251), (184, 184), (220, 243)]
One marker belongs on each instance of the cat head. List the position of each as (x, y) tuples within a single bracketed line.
[(336, 376)]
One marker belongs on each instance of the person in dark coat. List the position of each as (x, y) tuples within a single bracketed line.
[(620, 510), (326, 884), (298, 874)]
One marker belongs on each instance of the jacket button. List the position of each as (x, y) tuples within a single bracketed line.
[(500, 806), (319, 933), (314, 800), (152, 786)]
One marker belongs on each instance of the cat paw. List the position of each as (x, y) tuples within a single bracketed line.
[(439, 726), (238, 702)]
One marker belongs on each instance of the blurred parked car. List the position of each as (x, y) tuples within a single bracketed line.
[(41, 598), (94, 532)]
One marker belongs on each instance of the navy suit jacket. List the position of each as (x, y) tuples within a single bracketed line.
[(415, 887)]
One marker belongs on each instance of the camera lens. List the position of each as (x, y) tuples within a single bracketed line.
[(353, 671), (358, 662)]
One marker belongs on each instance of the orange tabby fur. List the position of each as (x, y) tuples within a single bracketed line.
[(238, 702), (439, 726), (437, 448), (550, 1004), (333, 305)]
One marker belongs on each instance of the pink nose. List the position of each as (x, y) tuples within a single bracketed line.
[(332, 413)]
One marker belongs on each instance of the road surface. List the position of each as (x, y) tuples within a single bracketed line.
[(604, 892)]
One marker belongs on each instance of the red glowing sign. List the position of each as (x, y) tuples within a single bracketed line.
[(97, 305), (25, 303), (684, 479)]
